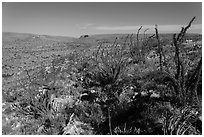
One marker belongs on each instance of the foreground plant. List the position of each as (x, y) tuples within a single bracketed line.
[(182, 122)]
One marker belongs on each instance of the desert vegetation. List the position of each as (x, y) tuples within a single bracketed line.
[(137, 84)]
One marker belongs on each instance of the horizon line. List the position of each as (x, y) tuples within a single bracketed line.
[(96, 33)]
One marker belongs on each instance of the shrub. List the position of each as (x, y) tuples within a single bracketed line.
[(181, 122)]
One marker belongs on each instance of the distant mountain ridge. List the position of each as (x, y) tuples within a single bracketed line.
[(12, 36)]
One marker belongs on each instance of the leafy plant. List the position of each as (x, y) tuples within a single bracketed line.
[(126, 131), (76, 127), (181, 122)]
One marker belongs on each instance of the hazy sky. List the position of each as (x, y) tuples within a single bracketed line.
[(75, 19)]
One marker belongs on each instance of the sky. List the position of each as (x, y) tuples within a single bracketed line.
[(76, 19)]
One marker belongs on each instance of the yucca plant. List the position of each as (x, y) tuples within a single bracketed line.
[(126, 131), (105, 70), (112, 60), (107, 67), (181, 122), (76, 127)]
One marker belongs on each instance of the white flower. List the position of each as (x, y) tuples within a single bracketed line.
[(131, 88), (144, 93), (47, 69), (155, 95)]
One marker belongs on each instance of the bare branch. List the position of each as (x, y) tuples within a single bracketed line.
[(138, 32), (159, 47), (145, 32)]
